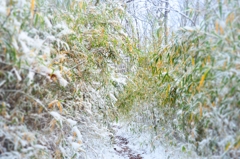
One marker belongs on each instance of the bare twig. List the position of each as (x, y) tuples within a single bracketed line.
[(172, 9)]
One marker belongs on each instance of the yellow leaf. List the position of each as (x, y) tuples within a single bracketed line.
[(221, 30), (237, 145), (213, 104), (28, 136), (81, 4), (61, 68), (22, 119), (201, 83), (40, 110), (52, 124), (102, 31), (230, 18), (216, 26), (227, 146), (191, 118), (159, 64), (171, 60), (130, 48), (169, 86), (32, 6), (193, 61), (224, 64), (168, 90), (192, 134), (50, 105), (59, 106), (165, 70), (8, 11), (209, 59), (200, 110), (74, 134)]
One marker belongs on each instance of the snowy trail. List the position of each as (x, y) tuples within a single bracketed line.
[(127, 145), (122, 148)]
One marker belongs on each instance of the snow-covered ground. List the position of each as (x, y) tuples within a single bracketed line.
[(127, 145)]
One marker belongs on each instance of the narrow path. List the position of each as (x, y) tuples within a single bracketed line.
[(128, 145), (122, 148)]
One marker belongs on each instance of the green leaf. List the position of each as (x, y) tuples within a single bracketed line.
[(183, 149)]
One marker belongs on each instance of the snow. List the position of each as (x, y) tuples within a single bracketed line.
[(76, 146), (120, 80), (2, 82), (62, 82), (17, 74), (30, 77), (3, 8), (113, 98), (141, 144), (65, 29), (47, 22), (57, 116), (78, 133), (39, 146), (71, 122)]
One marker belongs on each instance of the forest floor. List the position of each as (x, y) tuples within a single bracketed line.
[(127, 145)]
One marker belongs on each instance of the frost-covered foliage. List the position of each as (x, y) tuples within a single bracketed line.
[(190, 95), (58, 76)]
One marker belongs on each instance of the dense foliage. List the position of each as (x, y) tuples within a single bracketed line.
[(69, 69), (188, 90), (59, 76)]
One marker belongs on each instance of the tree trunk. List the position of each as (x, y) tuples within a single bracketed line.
[(165, 22)]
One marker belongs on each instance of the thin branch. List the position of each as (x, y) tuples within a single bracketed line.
[(172, 9)]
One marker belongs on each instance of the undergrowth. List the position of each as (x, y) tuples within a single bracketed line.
[(59, 77), (187, 92)]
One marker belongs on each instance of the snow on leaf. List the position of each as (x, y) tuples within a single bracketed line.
[(30, 77), (76, 146), (57, 116), (2, 82), (37, 146), (61, 80), (47, 22), (77, 132), (3, 9), (17, 74), (14, 43), (113, 97), (227, 146), (71, 122)]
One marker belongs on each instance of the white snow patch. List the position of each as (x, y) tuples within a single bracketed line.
[(30, 76), (57, 116), (76, 146), (47, 22), (17, 74), (3, 8), (72, 122), (78, 133)]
